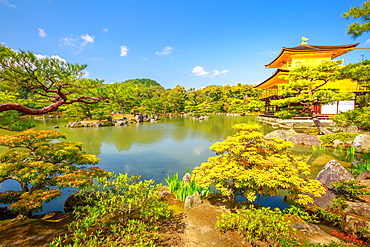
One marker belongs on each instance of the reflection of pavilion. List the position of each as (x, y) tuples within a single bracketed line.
[(308, 55)]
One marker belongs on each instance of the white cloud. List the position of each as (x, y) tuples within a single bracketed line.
[(42, 33), (105, 30), (199, 150), (367, 42), (87, 39), (78, 43), (200, 71), (70, 42), (165, 51), (217, 72), (6, 3), (124, 51), (59, 58), (39, 56), (86, 75)]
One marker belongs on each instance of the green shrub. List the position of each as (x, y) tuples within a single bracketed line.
[(258, 225), (350, 190), (358, 116), (120, 211), (283, 114), (344, 137), (300, 212)]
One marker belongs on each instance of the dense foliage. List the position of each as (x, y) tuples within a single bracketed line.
[(263, 225), (248, 163), (42, 166), (118, 211), (304, 89), (362, 14), (342, 136), (32, 84)]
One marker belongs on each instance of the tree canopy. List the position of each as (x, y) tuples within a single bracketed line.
[(362, 14), (42, 167), (247, 163), (40, 84), (304, 90)]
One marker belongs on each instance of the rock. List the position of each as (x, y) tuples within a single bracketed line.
[(365, 198), (186, 178), (280, 134), (139, 118), (363, 176), (353, 223), (352, 129), (121, 123), (362, 143), (358, 208), (313, 234), (304, 139), (192, 201), (275, 125), (337, 143), (332, 172), (74, 124), (163, 193)]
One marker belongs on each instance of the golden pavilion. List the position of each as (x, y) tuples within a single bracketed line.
[(308, 55)]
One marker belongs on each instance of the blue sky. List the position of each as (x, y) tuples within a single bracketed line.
[(175, 42)]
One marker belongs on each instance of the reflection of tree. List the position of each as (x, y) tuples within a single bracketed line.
[(124, 137), (216, 127), (91, 137)]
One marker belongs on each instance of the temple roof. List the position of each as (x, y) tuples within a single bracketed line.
[(273, 79), (286, 53)]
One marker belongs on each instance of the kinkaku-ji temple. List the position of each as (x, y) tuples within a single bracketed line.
[(308, 55)]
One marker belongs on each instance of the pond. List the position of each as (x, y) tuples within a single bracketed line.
[(154, 150)]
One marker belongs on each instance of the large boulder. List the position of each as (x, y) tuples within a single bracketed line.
[(363, 176), (280, 134), (358, 208), (304, 139), (332, 172), (365, 198), (354, 224), (313, 234), (362, 143)]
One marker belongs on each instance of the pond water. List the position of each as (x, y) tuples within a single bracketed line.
[(154, 150)]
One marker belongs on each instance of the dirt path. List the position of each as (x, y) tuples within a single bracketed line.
[(200, 230)]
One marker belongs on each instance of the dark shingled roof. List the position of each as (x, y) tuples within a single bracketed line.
[(307, 48), (321, 47)]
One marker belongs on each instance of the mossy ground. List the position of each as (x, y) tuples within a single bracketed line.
[(38, 231), (194, 227)]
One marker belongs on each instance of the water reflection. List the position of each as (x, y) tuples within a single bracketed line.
[(154, 150)]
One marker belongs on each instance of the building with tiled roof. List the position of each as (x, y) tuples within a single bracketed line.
[(308, 55)]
